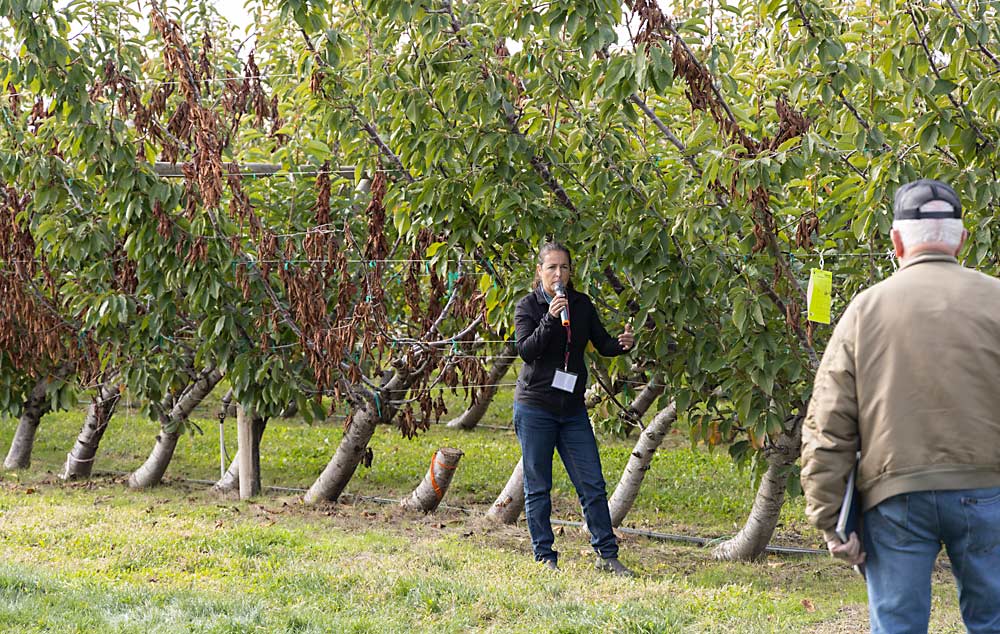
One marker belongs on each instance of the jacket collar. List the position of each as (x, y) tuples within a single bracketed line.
[(540, 294), (929, 257)]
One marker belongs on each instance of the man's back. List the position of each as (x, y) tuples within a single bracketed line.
[(926, 357)]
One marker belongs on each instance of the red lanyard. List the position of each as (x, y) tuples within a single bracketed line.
[(569, 338)]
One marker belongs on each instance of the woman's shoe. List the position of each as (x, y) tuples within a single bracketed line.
[(614, 566)]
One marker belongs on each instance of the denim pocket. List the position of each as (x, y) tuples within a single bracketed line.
[(890, 520), (982, 517)]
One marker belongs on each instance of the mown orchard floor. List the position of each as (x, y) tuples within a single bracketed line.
[(96, 556)]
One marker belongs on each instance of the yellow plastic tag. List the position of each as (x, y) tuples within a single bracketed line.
[(818, 295)]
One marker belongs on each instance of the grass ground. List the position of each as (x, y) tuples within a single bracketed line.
[(94, 556)]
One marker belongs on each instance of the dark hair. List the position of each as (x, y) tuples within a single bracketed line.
[(546, 248), (553, 246)]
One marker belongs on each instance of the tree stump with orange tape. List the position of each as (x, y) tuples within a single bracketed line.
[(429, 493)]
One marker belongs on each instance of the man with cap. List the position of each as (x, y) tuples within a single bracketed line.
[(910, 380)]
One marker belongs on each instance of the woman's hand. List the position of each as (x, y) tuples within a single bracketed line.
[(557, 305), (627, 339)]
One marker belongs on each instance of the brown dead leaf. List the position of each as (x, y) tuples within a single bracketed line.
[(808, 605)]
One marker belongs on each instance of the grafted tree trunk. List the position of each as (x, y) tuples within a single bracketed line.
[(750, 542), (339, 471), (151, 472), (647, 396), (249, 430), (35, 406), (429, 493), (508, 506), (80, 460), (501, 364), (638, 463)]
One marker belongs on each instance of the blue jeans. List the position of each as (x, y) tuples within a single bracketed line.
[(540, 432), (902, 538)]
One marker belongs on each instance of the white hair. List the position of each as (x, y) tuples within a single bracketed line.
[(914, 232)]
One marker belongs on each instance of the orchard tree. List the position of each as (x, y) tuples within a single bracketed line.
[(698, 165)]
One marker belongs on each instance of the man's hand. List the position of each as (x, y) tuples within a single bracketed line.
[(850, 552), (627, 339)]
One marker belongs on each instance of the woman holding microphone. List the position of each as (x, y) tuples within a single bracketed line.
[(553, 325)]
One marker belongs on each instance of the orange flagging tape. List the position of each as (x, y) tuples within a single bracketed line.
[(434, 484)]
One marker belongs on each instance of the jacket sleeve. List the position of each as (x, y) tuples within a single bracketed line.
[(532, 334), (830, 431), (605, 344)]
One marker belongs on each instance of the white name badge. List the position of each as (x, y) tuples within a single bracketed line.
[(564, 381)]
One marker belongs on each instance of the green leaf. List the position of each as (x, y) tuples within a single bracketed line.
[(743, 407), (928, 138), (640, 65), (943, 87), (485, 282), (434, 248), (739, 313)]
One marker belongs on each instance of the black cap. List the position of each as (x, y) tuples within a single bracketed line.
[(926, 198)]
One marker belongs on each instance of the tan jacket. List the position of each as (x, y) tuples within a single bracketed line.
[(911, 377)]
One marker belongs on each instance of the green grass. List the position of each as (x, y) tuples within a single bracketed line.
[(94, 556)]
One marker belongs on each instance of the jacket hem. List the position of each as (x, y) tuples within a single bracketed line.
[(949, 480)]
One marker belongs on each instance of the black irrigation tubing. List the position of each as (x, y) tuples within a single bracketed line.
[(670, 537)]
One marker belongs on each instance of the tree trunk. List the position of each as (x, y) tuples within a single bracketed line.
[(507, 508), (645, 399), (249, 430), (501, 364), (230, 480), (431, 490), (36, 406), (151, 472), (80, 461), (638, 463), (339, 471), (749, 543)]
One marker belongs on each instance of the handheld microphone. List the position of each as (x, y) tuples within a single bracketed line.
[(561, 292)]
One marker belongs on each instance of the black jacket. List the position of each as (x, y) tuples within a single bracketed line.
[(541, 343)]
